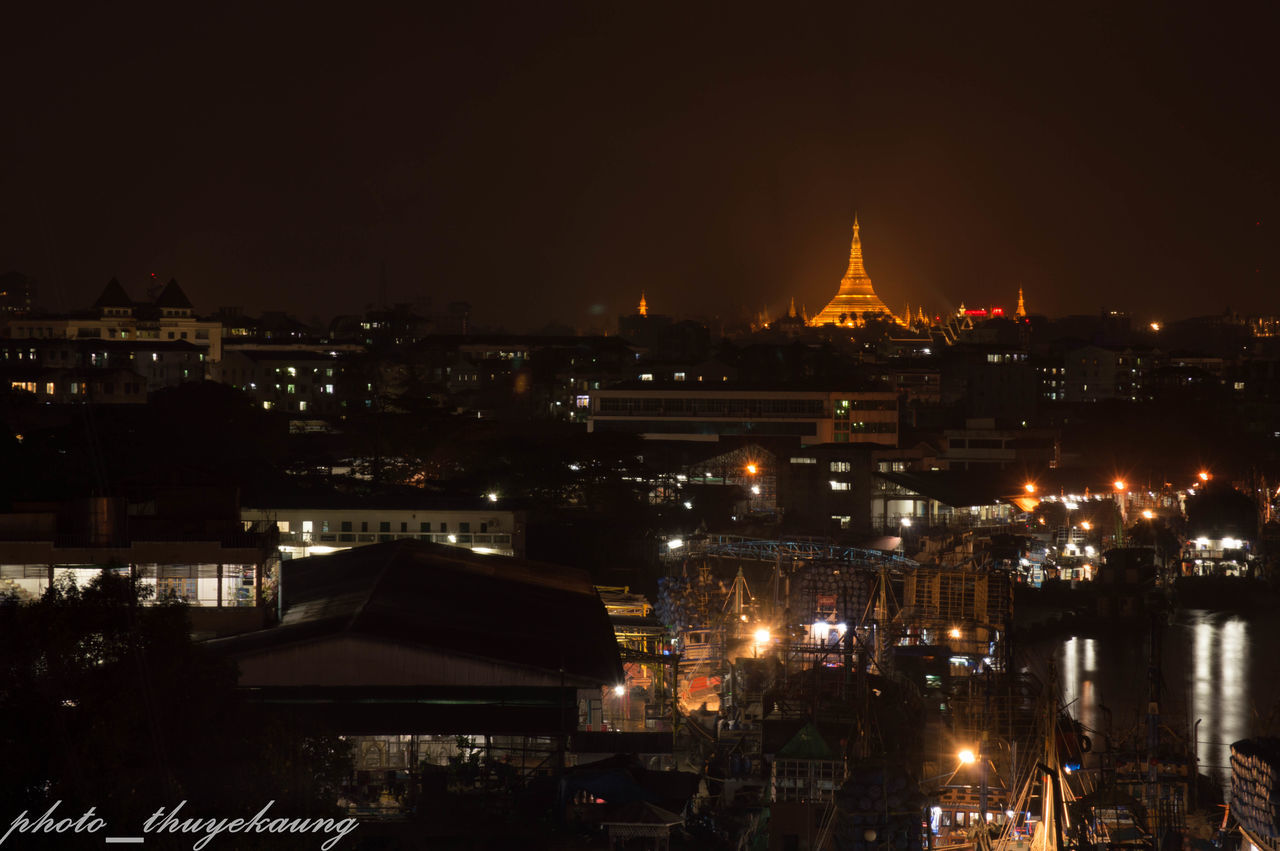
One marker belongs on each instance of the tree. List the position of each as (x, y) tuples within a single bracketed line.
[(106, 702)]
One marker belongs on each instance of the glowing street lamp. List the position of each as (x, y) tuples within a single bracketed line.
[(1204, 475), (1148, 514), (1030, 487), (1120, 485), (966, 757), (752, 469), (1086, 525)]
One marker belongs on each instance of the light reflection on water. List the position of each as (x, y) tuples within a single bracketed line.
[(1221, 668)]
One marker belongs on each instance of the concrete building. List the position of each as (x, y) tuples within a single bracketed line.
[(1098, 373), (705, 411), (182, 543), (107, 371), (981, 445), (825, 489), (321, 522), (168, 317), (304, 382)]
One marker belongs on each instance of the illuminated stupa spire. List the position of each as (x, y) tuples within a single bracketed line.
[(1021, 312), (643, 307), (856, 295)]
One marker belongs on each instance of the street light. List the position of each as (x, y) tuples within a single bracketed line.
[(1030, 487), (966, 757), (752, 469), (1120, 485)]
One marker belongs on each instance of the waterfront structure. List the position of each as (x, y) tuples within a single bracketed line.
[(699, 411), (856, 299)]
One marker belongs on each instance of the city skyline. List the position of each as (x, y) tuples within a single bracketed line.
[(553, 164)]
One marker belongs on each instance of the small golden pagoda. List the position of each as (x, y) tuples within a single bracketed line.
[(856, 295)]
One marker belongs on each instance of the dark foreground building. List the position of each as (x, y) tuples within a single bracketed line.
[(430, 657)]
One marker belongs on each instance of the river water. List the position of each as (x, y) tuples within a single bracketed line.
[(1220, 668)]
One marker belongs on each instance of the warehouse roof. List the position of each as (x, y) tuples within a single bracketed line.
[(447, 599)]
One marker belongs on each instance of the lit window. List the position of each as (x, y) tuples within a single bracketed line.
[(679, 376), (646, 376), (840, 486)]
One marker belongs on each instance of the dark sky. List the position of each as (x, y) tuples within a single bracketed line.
[(547, 161)]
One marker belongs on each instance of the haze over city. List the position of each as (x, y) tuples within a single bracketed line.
[(550, 163)]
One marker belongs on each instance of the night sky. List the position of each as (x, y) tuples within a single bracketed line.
[(547, 161)]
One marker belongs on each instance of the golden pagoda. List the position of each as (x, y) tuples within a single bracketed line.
[(856, 295)]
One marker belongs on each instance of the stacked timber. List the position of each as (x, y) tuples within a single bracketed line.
[(879, 808), (681, 604), (1255, 786), (820, 591)]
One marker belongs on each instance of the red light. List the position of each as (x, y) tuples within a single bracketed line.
[(997, 311), (978, 312)]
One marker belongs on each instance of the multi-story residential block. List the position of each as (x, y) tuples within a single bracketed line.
[(300, 381), (108, 371), (1096, 373)]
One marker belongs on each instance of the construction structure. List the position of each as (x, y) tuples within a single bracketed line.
[(798, 655)]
